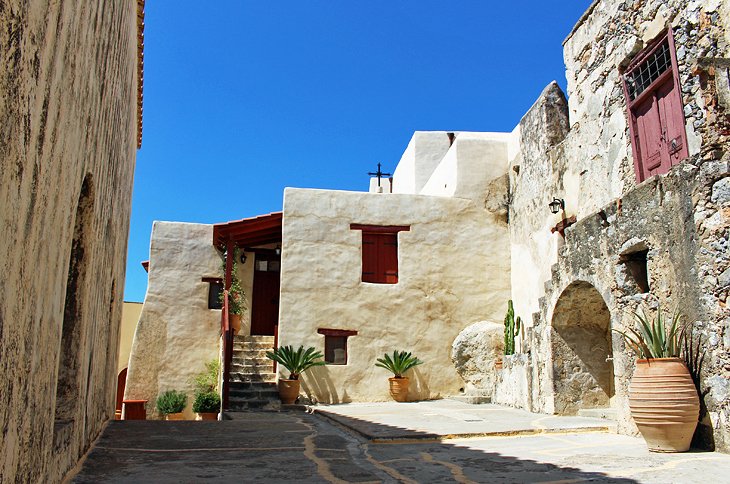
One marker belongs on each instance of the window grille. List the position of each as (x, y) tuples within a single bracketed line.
[(641, 77)]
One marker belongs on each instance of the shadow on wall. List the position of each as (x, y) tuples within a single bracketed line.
[(318, 386), (419, 389)]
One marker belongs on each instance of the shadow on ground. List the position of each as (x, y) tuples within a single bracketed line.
[(295, 446)]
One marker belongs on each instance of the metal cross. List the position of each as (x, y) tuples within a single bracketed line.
[(379, 174)]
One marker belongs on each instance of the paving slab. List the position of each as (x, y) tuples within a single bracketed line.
[(449, 419), (273, 447)]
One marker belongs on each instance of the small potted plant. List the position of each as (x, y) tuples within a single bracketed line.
[(171, 404), (207, 400), (236, 295), (207, 405), (398, 364), (662, 395), (296, 362)]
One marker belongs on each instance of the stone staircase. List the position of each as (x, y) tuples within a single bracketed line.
[(252, 382)]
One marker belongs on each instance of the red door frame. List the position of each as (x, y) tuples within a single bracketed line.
[(640, 170)]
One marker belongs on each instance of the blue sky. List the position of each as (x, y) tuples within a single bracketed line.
[(243, 98)]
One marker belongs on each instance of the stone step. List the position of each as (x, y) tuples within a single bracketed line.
[(260, 353), (251, 360), (251, 369), (604, 413), (252, 385), (249, 346), (243, 338), (236, 404), (238, 394), (252, 377)]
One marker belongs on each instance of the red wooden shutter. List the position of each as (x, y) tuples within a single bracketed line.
[(380, 258), (369, 257), (388, 257)]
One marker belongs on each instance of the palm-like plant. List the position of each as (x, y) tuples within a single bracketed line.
[(655, 339), (401, 362), (296, 361)]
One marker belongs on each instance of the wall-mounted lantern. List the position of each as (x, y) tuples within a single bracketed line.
[(243, 257), (557, 205), (278, 250)]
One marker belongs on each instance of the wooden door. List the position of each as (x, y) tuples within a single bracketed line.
[(265, 298), (649, 139), (671, 115)]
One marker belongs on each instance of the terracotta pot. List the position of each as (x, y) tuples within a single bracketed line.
[(288, 391), (664, 403), (208, 416), (175, 416), (498, 363), (235, 321), (399, 388)]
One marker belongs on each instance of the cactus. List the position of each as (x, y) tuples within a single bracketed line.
[(511, 329)]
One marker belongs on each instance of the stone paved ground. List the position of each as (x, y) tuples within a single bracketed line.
[(302, 447)]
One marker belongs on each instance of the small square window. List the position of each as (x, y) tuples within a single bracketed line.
[(335, 350), (335, 345), (215, 292), (636, 265)]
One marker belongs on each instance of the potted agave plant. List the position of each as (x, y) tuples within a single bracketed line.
[(296, 362), (398, 364), (662, 396)]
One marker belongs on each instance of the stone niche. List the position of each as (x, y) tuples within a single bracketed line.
[(581, 348)]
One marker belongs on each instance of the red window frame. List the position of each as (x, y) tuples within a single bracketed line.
[(380, 252), (329, 336), (650, 135)]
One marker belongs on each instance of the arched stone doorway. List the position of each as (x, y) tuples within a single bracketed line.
[(582, 351)]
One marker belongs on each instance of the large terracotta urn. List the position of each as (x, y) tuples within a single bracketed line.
[(399, 388), (664, 403), (288, 391)]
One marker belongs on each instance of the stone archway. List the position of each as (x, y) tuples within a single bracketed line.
[(581, 350)]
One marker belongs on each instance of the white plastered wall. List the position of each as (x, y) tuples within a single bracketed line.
[(453, 271), (177, 333)]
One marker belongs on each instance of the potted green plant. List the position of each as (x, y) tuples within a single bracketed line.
[(398, 364), (236, 294), (171, 404), (662, 395), (207, 405), (207, 401), (296, 362)]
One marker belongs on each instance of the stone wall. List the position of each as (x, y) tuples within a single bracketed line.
[(652, 216), (177, 334), (68, 91), (452, 243), (679, 221)]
